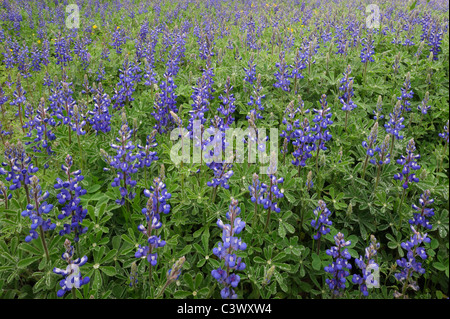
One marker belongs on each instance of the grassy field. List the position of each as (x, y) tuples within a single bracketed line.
[(344, 103)]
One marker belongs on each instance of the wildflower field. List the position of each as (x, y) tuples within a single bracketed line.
[(224, 149)]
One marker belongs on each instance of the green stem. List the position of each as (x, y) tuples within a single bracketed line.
[(400, 207), (365, 166), (346, 119), (214, 195), (378, 178), (268, 219), (365, 71), (442, 157), (150, 275), (41, 230), (392, 146), (81, 153), (255, 219), (163, 289)]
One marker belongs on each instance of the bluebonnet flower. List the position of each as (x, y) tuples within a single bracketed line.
[(72, 276), (35, 58), (21, 167), (47, 81), (63, 103), (379, 108), (424, 107), (409, 163), (382, 157), (237, 56), (45, 53), (208, 72), (173, 274), (369, 145), (100, 72), (340, 267), (87, 89), (105, 52), (166, 102), (322, 121), (311, 48), (225, 251), (321, 223), (446, 133), (156, 204), (4, 133), (410, 265), (36, 211), (80, 49), (250, 34), (4, 193), (367, 50), (347, 89), (435, 39), (147, 155), (3, 100), (160, 196), (423, 212), (221, 175), (119, 38), (272, 193), (283, 75), (19, 99), (394, 125), (62, 51), (99, 117), (227, 107), (78, 121), (43, 122), (69, 196), (396, 64), (201, 103), (407, 94), (346, 99), (290, 121), (299, 65), (133, 275), (257, 190), (341, 41), (126, 85), (367, 264), (22, 60), (309, 181), (126, 164), (250, 72), (256, 100), (150, 74), (217, 143)]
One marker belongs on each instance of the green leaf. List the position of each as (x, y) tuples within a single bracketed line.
[(27, 261), (185, 250), (189, 281), (439, 266), (108, 270), (31, 249), (316, 262), (181, 294)]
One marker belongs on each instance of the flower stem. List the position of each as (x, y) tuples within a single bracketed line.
[(41, 230), (365, 166), (400, 207)]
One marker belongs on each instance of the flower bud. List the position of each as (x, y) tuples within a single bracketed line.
[(269, 275)]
